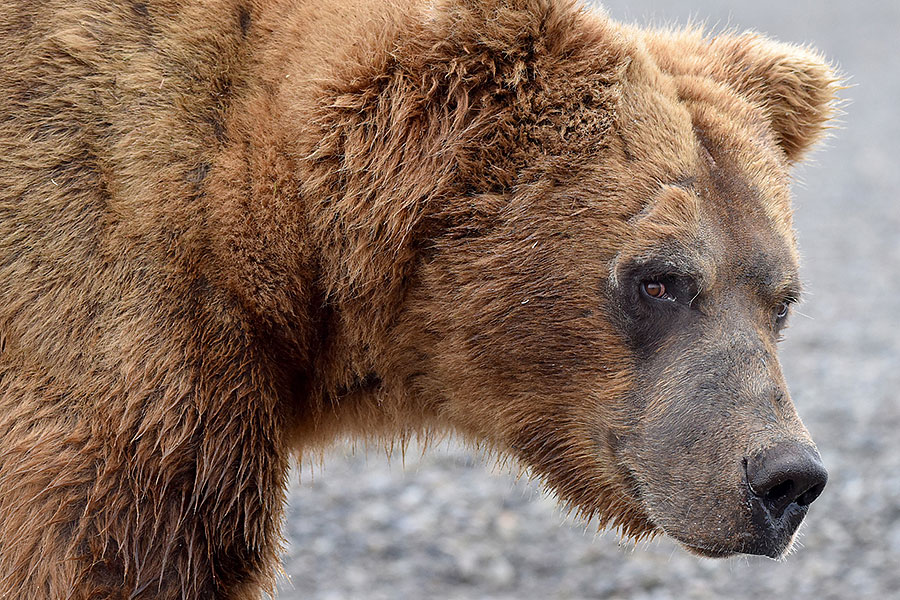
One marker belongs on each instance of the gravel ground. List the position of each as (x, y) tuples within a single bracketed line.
[(447, 525)]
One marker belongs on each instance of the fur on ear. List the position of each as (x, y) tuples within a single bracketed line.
[(794, 85)]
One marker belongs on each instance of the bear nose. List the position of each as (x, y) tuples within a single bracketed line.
[(787, 473)]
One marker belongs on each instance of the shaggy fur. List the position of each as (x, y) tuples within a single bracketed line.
[(231, 230)]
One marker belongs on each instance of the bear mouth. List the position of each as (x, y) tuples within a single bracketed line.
[(772, 542), (708, 552)]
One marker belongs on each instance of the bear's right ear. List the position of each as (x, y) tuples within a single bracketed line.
[(794, 85)]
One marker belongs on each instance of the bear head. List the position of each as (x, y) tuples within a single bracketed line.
[(593, 258)]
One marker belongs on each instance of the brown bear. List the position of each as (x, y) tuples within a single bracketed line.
[(234, 230)]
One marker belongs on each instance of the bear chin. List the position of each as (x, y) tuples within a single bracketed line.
[(775, 549)]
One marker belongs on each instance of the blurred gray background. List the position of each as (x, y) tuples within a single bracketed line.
[(449, 525)]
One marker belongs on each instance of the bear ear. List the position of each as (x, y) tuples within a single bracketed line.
[(793, 84)]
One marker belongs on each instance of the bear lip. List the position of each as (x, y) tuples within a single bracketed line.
[(772, 542), (708, 553)]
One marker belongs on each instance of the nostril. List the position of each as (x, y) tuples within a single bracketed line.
[(785, 474), (777, 494)]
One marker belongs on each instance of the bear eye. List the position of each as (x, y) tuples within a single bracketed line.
[(781, 312), (656, 290)]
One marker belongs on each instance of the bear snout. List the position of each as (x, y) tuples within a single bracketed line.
[(782, 481)]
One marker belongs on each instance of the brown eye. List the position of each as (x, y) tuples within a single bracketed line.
[(657, 290)]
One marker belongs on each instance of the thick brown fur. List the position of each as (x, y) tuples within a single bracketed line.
[(236, 229)]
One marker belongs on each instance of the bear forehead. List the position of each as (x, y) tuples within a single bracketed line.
[(696, 227), (708, 185), (687, 128)]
